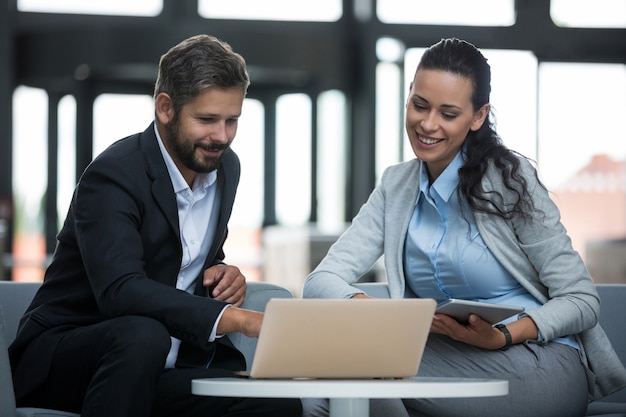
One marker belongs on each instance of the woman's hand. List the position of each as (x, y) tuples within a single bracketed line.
[(482, 334), (476, 332), (360, 296)]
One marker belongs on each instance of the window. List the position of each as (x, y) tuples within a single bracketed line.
[(293, 159), (319, 10), (448, 12), (66, 161), (331, 161), (589, 14), (249, 144), (390, 138), (99, 7), (30, 150), (243, 246), (116, 116), (582, 155)]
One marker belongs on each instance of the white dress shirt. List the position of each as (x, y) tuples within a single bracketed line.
[(195, 208)]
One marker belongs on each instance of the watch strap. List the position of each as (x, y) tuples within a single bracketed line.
[(507, 336)]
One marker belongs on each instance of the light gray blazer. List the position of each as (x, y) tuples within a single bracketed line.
[(537, 253)]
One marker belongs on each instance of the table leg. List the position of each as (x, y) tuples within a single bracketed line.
[(349, 407)]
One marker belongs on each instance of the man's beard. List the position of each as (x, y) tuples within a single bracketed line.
[(185, 150)]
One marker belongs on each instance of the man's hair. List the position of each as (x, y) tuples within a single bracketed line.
[(197, 63)]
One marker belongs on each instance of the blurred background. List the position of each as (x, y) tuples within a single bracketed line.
[(323, 116)]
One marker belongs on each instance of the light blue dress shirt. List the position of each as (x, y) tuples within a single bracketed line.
[(445, 256)]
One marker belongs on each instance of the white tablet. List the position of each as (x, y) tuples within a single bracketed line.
[(492, 313)]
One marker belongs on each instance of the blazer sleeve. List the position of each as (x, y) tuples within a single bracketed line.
[(353, 254)]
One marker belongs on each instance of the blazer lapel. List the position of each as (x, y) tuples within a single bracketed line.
[(162, 189), (228, 179)]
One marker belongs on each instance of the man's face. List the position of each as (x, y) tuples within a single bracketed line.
[(203, 130)]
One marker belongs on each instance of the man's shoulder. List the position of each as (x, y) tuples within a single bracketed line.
[(138, 142), (130, 151)]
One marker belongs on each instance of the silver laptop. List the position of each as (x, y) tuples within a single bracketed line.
[(336, 338)]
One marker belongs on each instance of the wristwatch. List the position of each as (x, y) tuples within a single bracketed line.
[(507, 335)]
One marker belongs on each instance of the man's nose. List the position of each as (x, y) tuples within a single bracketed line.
[(218, 132)]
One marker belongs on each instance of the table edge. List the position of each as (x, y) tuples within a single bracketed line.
[(416, 387)]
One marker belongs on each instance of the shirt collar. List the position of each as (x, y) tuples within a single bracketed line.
[(202, 180), (448, 180)]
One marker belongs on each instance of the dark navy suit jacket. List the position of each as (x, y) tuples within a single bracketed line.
[(119, 253)]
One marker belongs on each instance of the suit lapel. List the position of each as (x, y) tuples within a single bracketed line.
[(162, 190)]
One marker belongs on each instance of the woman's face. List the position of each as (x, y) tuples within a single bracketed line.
[(439, 116)]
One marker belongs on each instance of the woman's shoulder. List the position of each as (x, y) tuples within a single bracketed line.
[(527, 168), (402, 170)]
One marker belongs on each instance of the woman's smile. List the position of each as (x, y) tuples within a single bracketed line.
[(426, 140)]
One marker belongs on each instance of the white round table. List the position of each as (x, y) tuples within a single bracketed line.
[(350, 397)]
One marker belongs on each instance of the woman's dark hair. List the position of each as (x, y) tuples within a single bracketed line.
[(483, 146)]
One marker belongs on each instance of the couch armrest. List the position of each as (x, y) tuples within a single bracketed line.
[(374, 289), (257, 296)]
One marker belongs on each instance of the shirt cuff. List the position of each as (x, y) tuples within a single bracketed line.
[(213, 336)]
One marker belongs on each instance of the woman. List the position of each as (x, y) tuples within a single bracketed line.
[(469, 218)]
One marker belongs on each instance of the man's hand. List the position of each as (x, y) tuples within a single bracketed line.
[(225, 283), (247, 322)]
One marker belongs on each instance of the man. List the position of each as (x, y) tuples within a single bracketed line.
[(137, 300)]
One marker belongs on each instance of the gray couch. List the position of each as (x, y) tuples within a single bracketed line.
[(14, 299)]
